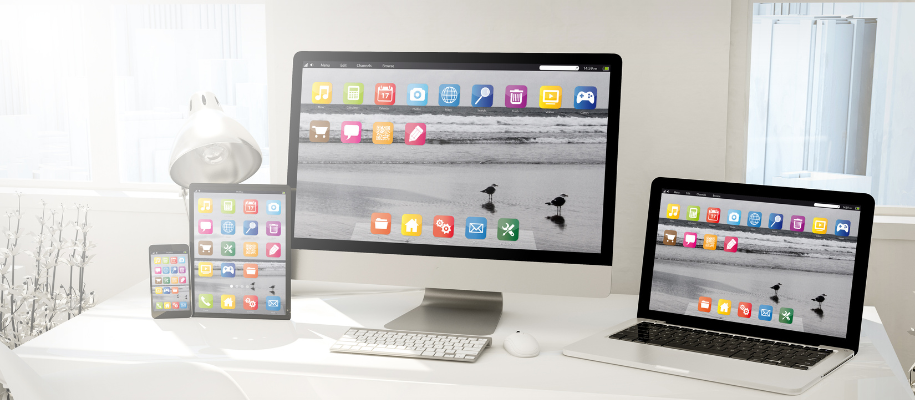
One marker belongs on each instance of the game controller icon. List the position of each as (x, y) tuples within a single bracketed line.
[(589, 96)]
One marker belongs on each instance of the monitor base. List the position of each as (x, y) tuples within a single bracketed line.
[(463, 312)]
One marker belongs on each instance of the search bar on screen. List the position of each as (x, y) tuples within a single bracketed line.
[(825, 205), (559, 68)]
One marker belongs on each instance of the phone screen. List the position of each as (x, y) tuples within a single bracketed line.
[(170, 279)]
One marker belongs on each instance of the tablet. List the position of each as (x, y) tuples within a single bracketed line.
[(240, 250)]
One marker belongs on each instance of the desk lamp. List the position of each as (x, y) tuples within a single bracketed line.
[(212, 147)]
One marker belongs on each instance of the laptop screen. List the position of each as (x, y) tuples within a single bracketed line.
[(777, 263)]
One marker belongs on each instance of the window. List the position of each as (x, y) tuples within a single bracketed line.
[(44, 128), (164, 54), (831, 98)]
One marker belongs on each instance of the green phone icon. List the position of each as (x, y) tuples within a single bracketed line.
[(206, 301), (158, 305)]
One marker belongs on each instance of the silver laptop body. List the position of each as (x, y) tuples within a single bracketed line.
[(804, 241)]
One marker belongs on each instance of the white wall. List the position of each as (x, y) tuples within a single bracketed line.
[(674, 81)]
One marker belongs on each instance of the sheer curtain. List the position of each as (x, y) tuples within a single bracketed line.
[(44, 126), (165, 53)]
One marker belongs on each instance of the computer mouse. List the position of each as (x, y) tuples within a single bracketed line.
[(521, 344)]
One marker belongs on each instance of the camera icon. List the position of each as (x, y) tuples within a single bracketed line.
[(416, 94), (273, 207)]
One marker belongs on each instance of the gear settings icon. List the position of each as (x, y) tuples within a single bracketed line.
[(446, 228)]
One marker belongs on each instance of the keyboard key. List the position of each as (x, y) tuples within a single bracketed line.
[(411, 344)]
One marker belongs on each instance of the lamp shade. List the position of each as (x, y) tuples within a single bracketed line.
[(212, 147)]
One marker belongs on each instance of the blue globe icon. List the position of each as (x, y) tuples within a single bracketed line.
[(449, 95)]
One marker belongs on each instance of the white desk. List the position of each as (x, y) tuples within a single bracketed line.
[(290, 359)]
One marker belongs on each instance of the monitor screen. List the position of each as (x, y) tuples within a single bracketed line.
[(171, 281), (482, 156), (777, 263), (240, 251)]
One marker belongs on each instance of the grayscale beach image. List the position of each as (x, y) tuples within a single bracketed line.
[(805, 264), (532, 157)]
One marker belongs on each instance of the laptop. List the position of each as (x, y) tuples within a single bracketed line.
[(753, 286)]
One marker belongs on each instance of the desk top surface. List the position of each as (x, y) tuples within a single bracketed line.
[(290, 359)]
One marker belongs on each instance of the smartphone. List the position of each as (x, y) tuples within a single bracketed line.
[(170, 281)]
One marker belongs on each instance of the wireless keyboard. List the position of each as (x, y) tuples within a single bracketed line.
[(433, 346)]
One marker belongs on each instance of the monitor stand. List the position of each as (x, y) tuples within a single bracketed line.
[(463, 312)]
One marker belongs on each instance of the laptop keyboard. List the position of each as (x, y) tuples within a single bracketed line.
[(724, 345)]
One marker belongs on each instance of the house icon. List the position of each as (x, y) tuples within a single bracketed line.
[(228, 302), (412, 225), (724, 307)]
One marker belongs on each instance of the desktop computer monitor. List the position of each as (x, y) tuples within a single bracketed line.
[(468, 174)]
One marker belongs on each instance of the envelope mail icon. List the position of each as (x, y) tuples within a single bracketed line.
[(273, 303), (476, 227)]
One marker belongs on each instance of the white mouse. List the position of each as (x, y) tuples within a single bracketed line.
[(521, 345)]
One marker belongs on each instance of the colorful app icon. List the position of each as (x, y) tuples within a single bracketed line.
[(670, 238), (174, 260), (550, 96), (744, 310), (508, 229), (765, 313), (692, 213), (174, 289), (157, 270), (417, 94), (411, 225), (228, 270), (182, 269), (673, 211), (205, 269), (273, 207), (227, 302), (690, 239), (274, 250), (351, 132), (273, 303), (182, 279), (724, 307), (204, 227), (481, 95), (321, 92), (585, 97), (385, 94), (730, 244), (249, 228), (383, 133), (250, 302), (250, 249), (775, 221), (205, 301), (705, 304), (319, 131), (712, 215), (754, 219), (227, 249), (227, 227), (158, 280), (158, 290), (475, 228), (786, 315), (733, 217), (250, 270), (181, 260), (157, 260), (166, 290), (158, 305), (205, 248), (710, 242), (274, 228), (205, 205), (228, 206), (819, 225), (415, 134), (250, 206), (516, 96), (797, 223), (380, 223), (353, 93), (443, 226), (183, 305), (166, 281), (167, 305), (843, 227), (449, 95), (165, 260), (174, 270)]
